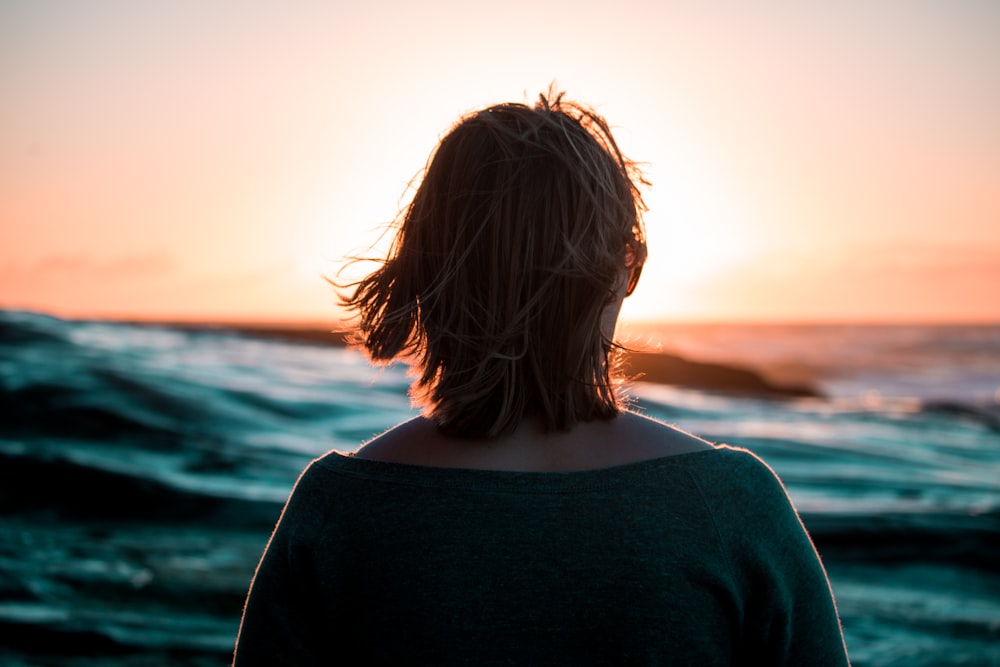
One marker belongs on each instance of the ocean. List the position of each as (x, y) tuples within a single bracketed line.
[(142, 467)]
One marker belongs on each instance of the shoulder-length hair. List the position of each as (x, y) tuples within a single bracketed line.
[(514, 244)]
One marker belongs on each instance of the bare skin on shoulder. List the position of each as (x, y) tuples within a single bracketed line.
[(627, 438)]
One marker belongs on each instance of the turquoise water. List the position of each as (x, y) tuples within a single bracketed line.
[(142, 468)]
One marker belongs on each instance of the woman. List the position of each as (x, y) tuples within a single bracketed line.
[(528, 517)]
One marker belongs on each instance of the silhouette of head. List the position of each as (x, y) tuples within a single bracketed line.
[(524, 230)]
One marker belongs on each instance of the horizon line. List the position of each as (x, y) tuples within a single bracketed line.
[(341, 324)]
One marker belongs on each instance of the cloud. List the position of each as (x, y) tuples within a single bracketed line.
[(81, 266), (867, 282), (59, 281), (951, 259)]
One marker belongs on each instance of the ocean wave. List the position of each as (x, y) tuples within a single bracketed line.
[(54, 488), (142, 468)]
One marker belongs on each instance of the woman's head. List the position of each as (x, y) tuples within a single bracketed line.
[(524, 230)]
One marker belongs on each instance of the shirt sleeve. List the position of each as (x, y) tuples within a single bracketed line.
[(283, 620), (789, 616)]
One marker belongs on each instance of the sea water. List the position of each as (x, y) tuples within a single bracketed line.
[(142, 468)]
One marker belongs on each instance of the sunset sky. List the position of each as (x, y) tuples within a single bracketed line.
[(810, 161)]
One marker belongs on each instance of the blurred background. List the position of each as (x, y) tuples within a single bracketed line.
[(176, 178), (810, 161)]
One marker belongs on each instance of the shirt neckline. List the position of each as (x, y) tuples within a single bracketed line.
[(529, 481)]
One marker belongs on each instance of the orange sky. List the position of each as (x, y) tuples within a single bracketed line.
[(209, 160)]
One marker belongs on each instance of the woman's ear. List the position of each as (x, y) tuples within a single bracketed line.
[(609, 316)]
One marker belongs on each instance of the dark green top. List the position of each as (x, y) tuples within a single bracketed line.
[(695, 559)]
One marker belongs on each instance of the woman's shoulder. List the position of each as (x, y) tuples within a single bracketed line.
[(744, 494)]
